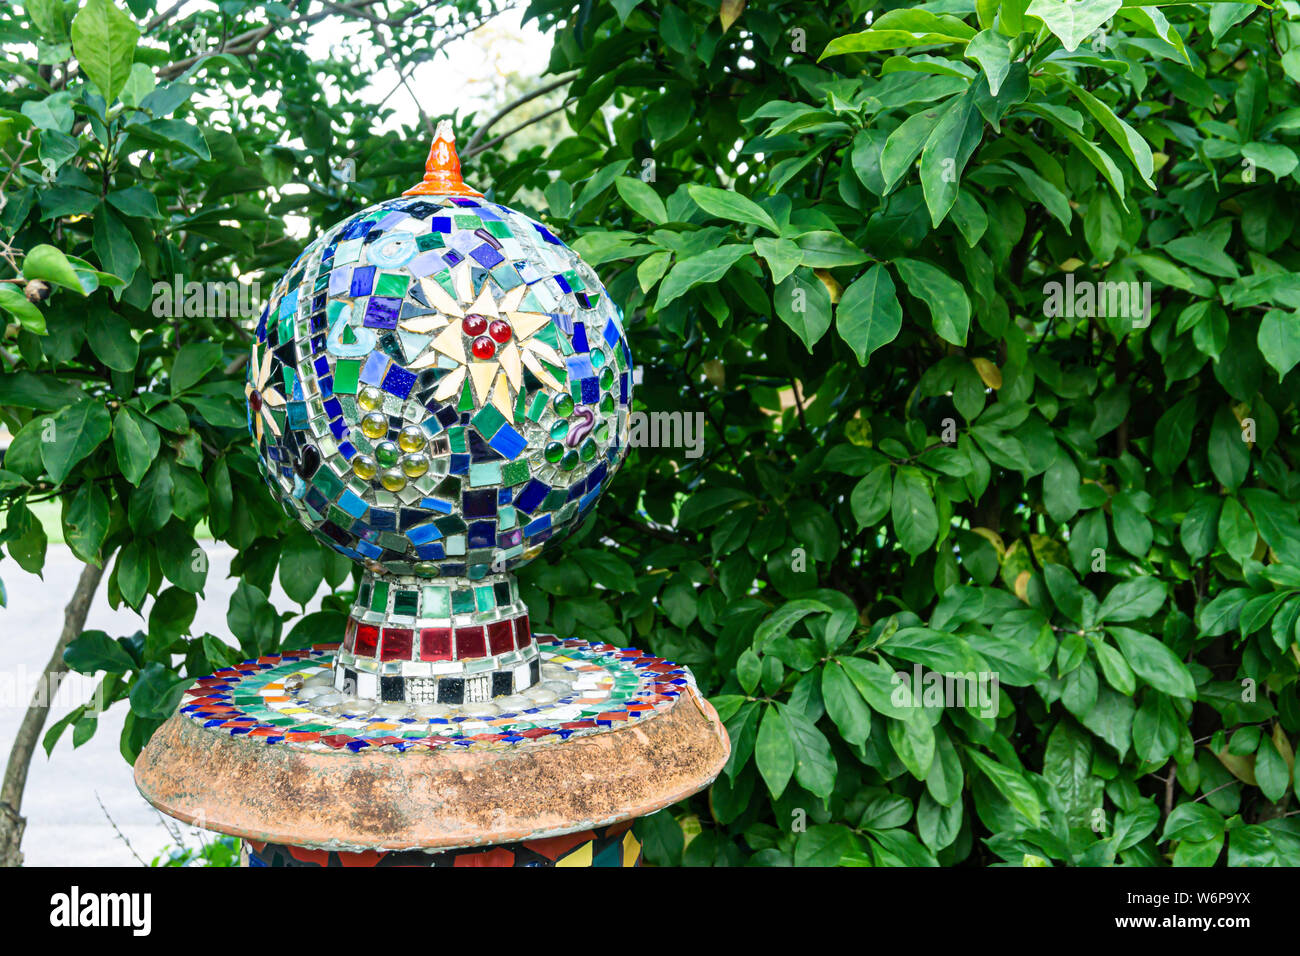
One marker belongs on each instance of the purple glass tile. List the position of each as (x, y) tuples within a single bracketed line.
[(382, 312)]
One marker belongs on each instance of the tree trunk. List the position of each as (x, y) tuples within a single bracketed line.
[(12, 822)]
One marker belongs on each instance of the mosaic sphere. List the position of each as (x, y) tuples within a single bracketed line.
[(439, 386)]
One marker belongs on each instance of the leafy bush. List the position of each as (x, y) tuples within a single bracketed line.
[(859, 246)]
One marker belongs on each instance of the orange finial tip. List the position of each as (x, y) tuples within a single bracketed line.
[(442, 171)]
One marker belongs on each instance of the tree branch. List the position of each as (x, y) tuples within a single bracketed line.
[(472, 145), (12, 823)]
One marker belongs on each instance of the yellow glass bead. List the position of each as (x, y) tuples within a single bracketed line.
[(363, 466), (375, 425), (415, 465), (412, 438), (393, 480), (370, 398)]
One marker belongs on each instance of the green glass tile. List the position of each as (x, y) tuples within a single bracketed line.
[(313, 728), (451, 524), (393, 541), (391, 283), (519, 405), (429, 241), (485, 474), (406, 603), (575, 281), (554, 499), (462, 601), (379, 600), (467, 222), (437, 602), (345, 376), (327, 482), (466, 403), (488, 421), (484, 599), (514, 473), (500, 229), (538, 406), (507, 517), (456, 436)]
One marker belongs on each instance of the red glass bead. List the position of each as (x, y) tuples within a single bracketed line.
[(499, 330), (255, 401), (483, 348), (474, 324)]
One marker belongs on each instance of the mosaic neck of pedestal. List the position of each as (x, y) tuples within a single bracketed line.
[(439, 640)]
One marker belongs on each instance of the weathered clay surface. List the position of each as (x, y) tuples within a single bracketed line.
[(430, 799)]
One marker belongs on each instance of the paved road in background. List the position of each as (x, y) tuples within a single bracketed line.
[(65, 823)]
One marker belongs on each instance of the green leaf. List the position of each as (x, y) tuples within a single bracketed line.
[(731, 205), (915, 520), (1271, 770), (85, 522), (16, 304), (868, 316), (1067, 767), (104, 39), (50, 264), (1279, 340), (872, 496), (946, 299), (132, 571), (1192, 821), (136, 442), (1125, 136), (301, 568), (157, 691), (95, 651), (782, 256), (844, 704), (946, 153), (992, 51), (876, 682), (913, 741), (871, 40), (135, 201), (75, 432), (814, 763), (114, 244), (1011, 784), (642, 198), (1237, 530), (111, 340), (1154, 663), (774, 751), (1277, 159), (1133, 599), (1073, 21), (804, 304), (778, 623), (192, 362), (708, 266), (906, 142)]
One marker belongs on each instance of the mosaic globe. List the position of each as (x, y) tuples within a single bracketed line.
[(439, 388)]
